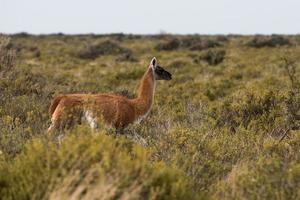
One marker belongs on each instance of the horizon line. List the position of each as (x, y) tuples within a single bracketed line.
[(146, 34)]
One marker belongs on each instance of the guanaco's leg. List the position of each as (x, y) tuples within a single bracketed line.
[(57, 121)]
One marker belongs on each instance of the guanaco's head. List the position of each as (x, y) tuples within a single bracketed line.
[(159, 72)]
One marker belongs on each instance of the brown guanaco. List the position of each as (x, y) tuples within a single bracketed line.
[(108, 109)]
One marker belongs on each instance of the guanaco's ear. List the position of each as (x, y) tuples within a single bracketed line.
[(153, 63)]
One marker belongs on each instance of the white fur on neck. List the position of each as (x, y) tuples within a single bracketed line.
[(153, 73)]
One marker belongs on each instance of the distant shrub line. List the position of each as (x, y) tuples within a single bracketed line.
[(105, 48), (271, 41), (191, 43)]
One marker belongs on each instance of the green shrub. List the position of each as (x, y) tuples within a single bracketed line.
[(85, 167), (198, 43), (23, 103), (126, 57), (272, 41), (7, 56), (213, 57), (168, 46), (21, 35), (244, 110), (204, 44), (104, 48), (275, 175), (222, 38), (193, 43)]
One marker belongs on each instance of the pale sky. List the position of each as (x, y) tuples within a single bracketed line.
[(151, 16)]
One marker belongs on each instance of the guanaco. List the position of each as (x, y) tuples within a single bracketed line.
[(111, 110)]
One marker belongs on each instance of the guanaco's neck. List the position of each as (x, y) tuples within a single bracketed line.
[(146, 93)]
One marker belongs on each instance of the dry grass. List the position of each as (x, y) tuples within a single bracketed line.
[(224, 131)]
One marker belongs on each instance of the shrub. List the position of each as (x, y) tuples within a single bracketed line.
[(204, 44), (168, 46), (126, 57), (104, 48), (272, 41), (198, 43), (7, 56), (89, 167), (250, 109), (23, 103), (21, 35), (213, 57), (292, 110), (35, 51), (194, 43), (222, 38), (189, 41), (177, 64), (269, 177)]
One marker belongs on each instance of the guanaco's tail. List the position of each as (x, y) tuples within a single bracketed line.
[(54, 104)]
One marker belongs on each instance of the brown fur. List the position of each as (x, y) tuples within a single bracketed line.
[(54, 105), (114, 110)]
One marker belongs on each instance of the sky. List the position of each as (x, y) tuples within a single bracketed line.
[(150, 16)]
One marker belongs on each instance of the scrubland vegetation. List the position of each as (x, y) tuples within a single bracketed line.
[(226, 126)]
